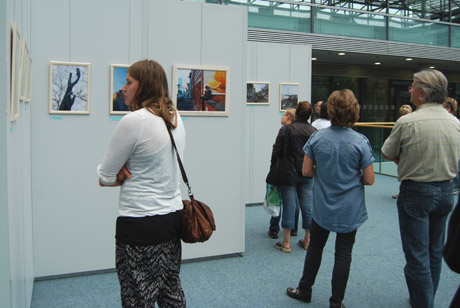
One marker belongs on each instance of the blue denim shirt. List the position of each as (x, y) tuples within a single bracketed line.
[(340, 155)]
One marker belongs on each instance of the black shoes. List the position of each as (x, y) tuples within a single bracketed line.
[(295, 293), (272, 234)]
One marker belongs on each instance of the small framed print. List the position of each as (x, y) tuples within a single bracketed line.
[(29, 79), (118, 74), (69, 88), (258, 93), (25, 72), (15, 84), (289, 95), (201, 90)]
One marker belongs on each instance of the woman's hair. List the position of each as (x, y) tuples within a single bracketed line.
[(291, 113), (405, 109), (433, 83), (303, 111), (451, 103), (343, 108), (152, 92), (323, 111)]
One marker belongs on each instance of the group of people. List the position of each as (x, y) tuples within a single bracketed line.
[(337, 164), (332, 165)]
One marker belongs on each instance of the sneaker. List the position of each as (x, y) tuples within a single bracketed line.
[(272, 234), (395, 196), (280, 246)]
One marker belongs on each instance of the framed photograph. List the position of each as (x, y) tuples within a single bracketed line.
[(201, 90), (258, 93), (24, 71), (289, 95), (118, 74), (69, 88), (15, 72), (29, 79)]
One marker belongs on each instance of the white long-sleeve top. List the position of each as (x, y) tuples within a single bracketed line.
[(142, 143)]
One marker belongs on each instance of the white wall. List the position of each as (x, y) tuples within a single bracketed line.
[(16, 202), (74, 219), (275, 63)]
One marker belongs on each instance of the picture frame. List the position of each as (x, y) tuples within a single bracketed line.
[(69, 88), (29, 79), (289, 95), (14, 73), (118, 74), (258, 93), (24, 72), (201, 90)]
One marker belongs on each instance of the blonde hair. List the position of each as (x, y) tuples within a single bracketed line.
[(291, 113), (452, 103), (405, 109)]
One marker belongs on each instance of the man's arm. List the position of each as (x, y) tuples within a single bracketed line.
[(368, 175), (308, 167)]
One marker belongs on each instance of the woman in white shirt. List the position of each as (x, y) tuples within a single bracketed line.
[(323, 120), (141, 160)]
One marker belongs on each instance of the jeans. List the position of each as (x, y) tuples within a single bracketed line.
[(343, 247), (304, 191), (275, 220), (423, 209)]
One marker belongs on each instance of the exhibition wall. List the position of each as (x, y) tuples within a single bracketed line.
[(274, 63), (74, 219), (16, 201)]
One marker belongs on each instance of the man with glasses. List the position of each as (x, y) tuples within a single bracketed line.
[(426, 147)]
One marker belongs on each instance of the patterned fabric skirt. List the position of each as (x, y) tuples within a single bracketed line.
[(150, 274)]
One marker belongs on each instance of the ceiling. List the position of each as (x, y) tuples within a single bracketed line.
[(361, 59)]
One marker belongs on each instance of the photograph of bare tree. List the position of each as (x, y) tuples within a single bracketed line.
[(69, 88)]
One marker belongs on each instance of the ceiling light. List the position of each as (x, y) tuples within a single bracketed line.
[(408, 59), (431, 66), (341, 53), (314, 59), (377, 63)]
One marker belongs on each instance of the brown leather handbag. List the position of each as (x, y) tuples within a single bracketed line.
[(198, 221)]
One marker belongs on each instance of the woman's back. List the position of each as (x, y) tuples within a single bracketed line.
[(340, 154)]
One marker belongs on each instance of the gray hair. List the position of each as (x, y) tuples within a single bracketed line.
[(433, 83)]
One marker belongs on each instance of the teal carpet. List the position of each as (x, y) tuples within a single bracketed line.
[(260, 277)]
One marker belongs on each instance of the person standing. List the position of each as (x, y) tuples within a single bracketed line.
[(323, 120), (287, 118), (426, 147), (295, 136), (341, 160), (316, 113), (142, 160)]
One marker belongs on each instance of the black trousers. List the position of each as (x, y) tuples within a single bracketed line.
[(343, 248)]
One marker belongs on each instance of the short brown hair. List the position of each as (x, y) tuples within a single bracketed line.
[(152, 92), (303, 111), (343, 108)]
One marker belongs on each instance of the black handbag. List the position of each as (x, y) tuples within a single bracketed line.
[(282, 170)]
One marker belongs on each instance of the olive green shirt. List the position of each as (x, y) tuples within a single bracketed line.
[(427, 142)]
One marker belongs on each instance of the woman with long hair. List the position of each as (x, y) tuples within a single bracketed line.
[(141, 160)]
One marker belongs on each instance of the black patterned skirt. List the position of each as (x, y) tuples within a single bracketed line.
[(150, 274)]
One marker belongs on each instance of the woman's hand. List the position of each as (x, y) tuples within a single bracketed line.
[(122, 175)]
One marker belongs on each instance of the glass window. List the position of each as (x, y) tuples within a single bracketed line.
[(412, 31), (348, 23)]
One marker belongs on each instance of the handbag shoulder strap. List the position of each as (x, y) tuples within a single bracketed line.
[(182, 170)]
